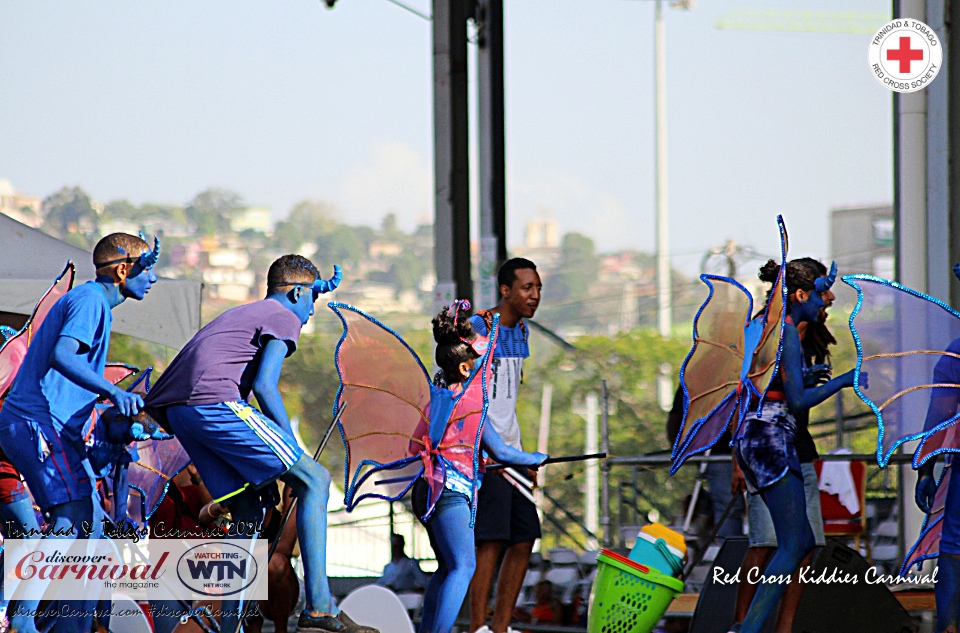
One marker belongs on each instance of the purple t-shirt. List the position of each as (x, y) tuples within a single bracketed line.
[(220, 363)]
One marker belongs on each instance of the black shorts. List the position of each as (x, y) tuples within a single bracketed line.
[(504, 514)]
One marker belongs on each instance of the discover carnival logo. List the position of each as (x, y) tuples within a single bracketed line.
[(158, 569), (905, 55)]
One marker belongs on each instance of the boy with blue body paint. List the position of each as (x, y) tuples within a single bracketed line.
[(53, 395), (240, 452)]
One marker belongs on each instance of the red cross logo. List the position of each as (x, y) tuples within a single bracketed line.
[(905, 55)]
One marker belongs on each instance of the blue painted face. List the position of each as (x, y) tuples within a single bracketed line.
[(303, 307), (809, 310), (138, 287)]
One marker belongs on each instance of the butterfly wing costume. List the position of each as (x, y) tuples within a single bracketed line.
[(398, 426), (732, 362), (909, 343)]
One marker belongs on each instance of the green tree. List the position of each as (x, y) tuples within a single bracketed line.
[(212, 209), (120, 210), (69, 210), (570, 284)]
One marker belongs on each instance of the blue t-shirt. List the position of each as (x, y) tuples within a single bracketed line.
[(40, 392), (508, 355)]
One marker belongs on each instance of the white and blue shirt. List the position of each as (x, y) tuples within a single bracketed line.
[(511, 349)]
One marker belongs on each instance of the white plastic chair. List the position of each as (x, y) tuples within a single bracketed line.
[(376, 606), (133, 620)]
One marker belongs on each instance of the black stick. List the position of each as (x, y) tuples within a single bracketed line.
[(316, 456), (554, 460)]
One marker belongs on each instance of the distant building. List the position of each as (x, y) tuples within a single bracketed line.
[(22, 208), (226, 273), (541, 242), (252, 219), (861, 240), (385, 248)]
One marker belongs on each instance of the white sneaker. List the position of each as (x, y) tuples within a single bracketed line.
[(483, 629)]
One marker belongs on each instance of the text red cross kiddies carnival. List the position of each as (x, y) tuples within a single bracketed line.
[(905, 54)]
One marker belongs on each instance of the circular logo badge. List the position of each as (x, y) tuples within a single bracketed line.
[(905, 55)]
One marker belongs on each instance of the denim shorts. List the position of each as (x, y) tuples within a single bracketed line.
[(762, 533), (766, 448)]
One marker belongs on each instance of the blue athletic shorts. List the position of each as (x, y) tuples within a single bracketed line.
[(233, 445), (50, 463)]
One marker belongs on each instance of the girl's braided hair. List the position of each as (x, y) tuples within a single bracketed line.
[(450, 331)]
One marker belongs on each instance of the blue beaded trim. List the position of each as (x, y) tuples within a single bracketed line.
[(851, 280), (350, 498)]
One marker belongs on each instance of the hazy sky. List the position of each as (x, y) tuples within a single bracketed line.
[(154, 101)]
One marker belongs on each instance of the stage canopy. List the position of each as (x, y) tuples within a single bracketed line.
[(30, 260)]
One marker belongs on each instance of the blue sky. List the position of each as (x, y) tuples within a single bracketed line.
[(154, 101)]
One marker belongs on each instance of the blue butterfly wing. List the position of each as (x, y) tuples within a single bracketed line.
[(908, 343)]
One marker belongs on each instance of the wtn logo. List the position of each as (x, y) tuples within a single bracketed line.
[(224, 569), (220, 568)]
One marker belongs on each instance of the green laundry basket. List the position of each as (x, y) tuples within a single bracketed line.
[(628, 597)]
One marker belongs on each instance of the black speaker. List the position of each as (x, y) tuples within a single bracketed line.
[(714, 612), (836, 604), (843, 605)]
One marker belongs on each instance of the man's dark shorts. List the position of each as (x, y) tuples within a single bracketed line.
[(504, 514)]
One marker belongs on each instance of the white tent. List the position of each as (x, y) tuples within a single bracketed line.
[(30, 260)]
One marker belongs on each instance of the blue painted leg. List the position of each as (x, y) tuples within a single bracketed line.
[(786, 501), (68, 518), (19, 515), (311, 484), (452, 539), (947, 592), (245, 509)]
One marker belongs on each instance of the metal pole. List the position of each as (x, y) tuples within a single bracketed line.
[(451, 227), (604, 469), (664, 316), (543, 442), (911, 218), (838, 415), (493, 238), (591, 517)]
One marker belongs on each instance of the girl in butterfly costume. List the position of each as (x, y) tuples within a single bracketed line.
[(910, 342), (401, 431), (767, 354)]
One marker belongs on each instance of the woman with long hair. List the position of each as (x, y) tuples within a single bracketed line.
[(765, 448)]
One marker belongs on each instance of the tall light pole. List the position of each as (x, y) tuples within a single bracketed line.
[(664, 311)]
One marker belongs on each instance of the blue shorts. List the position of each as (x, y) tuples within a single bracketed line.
[(762, 533), (51, 464), (766, 449), (233, 445)]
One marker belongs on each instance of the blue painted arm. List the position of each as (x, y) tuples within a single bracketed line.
[(491, 442), (265, 385), (941, 408), (800, 398), (66, 359)]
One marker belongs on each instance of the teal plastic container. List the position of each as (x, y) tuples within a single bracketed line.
[(654, 552)]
